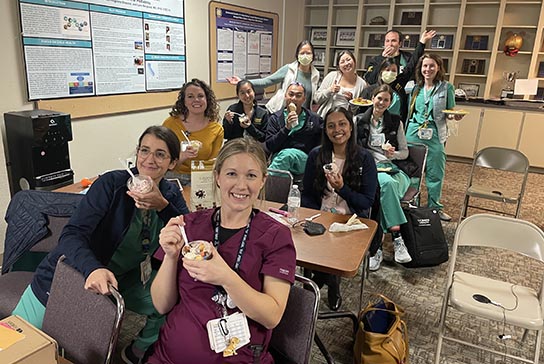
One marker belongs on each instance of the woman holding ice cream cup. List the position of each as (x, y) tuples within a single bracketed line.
[(194, 119)]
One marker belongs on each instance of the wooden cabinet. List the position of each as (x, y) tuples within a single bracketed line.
[(500, 128), (473, 35), (463, 143), (530, 142)]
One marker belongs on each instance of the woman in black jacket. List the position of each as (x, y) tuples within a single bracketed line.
[(340, 177), (245, 117)]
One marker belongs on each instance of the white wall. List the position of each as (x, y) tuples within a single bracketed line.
[(98, 142)]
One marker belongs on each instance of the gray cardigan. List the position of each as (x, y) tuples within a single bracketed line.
[(324, 98)]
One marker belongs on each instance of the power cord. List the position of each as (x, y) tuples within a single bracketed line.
[(485, 300)]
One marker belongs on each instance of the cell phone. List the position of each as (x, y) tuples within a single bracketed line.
[(284, 207)]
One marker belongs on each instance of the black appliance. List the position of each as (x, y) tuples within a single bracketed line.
[(36, 149)]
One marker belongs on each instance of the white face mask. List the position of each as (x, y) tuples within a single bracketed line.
[(305, 59), (389, 76)]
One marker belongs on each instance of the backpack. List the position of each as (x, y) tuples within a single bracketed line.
[(424, 237)]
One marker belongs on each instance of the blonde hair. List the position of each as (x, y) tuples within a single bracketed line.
[(239, 146)]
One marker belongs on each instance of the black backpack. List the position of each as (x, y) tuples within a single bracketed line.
[(424, 237)]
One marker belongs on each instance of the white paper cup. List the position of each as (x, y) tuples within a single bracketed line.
[(197, 250)]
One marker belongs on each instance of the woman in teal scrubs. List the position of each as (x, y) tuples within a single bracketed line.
[(427, 123)]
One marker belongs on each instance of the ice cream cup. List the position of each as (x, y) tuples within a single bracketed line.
[(330, 168), (196, 145), (197, 250), (140, 184)]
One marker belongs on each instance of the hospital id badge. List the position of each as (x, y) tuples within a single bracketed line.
[(229, 333), (376, 140), (425, 133), (145, 270)]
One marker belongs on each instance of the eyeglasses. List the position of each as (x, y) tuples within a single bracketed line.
[(160, 155)]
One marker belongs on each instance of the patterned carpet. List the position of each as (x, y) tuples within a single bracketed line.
[(419, 291)]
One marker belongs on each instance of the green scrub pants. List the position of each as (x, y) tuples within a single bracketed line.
[(392, 189), (435, 168)]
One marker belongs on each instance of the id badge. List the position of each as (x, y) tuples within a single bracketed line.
[(228, 334), (376, 140), (425, 133), (145, 270)]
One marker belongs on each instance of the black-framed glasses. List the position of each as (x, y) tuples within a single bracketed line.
[(159, 155)]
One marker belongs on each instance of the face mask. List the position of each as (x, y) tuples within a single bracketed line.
[(305, 59), (389, 76)]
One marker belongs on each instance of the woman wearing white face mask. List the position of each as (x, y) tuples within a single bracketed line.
[(340, 86), (389, 74), (301, 71)]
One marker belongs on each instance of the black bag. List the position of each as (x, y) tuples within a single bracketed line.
[(424, 237)]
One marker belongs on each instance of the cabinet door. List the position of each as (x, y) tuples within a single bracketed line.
[(531, 139), (464, 143), (500, 128)]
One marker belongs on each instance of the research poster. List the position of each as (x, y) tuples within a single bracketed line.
[(244, 44), (102, 47)]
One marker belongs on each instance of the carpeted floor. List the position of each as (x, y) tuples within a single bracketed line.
[(420, 291)]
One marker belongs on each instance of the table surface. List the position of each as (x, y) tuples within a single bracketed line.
[(337, 253)]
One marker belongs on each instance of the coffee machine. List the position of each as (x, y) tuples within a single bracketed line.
[(36, 149)]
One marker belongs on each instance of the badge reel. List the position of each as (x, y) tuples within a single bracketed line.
[(376, 140), (230, 332), (425, 133)]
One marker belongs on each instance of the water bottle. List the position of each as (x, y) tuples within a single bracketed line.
[(293, 204)]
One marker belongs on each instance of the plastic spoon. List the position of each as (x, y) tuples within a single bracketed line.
[(186, 137), (126, 167), (183, 234)]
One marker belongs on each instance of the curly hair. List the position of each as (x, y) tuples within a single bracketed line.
[(440, 75), (212, 108), (353, 165)]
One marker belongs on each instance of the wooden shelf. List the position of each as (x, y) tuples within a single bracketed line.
[(458, 17)]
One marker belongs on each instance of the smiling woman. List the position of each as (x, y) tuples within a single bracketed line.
[(194, 116), (349, 190), (248, 276)]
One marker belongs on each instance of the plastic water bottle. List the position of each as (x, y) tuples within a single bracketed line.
[(293, 204)]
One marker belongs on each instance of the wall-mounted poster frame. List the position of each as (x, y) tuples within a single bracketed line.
[(243, 41), (68, 62)]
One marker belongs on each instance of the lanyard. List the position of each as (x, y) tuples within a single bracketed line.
[(243, 242), (146, 233), (427, 96)]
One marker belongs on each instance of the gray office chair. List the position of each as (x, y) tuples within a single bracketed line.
[(85, 324), (277, 186), (492, 299), (483, 184), (292, 339), (417, 155)]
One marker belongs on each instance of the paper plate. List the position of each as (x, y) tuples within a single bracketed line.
[(360, 102), (455, 112)]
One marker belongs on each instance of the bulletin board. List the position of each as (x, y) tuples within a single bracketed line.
[(96, 57), (243, 43)]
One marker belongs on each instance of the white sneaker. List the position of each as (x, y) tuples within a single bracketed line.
[(375, 261), (401, 253)]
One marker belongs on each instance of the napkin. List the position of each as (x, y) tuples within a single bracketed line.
[(352, 224)]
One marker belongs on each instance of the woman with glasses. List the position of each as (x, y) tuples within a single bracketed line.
[(246, 280), (195, 116), (245, 117), (113, 234), (301, 70), (340, 177), (340, 86)]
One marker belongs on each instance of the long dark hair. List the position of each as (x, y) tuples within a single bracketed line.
[(353, 164), (212, 107), (350, 54), (440, 75)]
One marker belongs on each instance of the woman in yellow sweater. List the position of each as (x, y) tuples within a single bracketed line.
[(195, 114)]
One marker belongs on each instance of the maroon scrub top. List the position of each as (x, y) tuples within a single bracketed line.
[(269, 251)]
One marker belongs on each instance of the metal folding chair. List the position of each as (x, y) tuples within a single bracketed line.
[(483, 185)]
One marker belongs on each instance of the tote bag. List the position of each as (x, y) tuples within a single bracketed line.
[(382, 336)]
